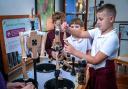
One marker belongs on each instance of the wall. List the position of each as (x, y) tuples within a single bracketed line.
[(16, 7), (59, 6), (121, 6)]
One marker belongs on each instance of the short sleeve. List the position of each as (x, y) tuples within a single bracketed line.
[(110, 46), (92, 32), (88, 44)]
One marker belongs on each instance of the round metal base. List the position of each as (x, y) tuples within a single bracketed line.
[(62, 84), (45, 68), (29, 80)]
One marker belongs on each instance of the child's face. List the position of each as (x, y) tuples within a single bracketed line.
[(49, 24), (104, 21), (75, 26)]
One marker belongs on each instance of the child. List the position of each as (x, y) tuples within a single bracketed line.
[(51, 34), (104, 48), (81, 44)]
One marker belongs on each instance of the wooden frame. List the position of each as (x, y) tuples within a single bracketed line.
[(4, 56), (123, 29), (13, 21), (5, 60)]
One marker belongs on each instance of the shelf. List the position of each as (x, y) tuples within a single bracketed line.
[(75, 13)]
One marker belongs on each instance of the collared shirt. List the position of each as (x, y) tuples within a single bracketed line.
[(81, 44), (107, 43)]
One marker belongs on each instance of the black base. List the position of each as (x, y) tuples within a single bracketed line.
[(51, 84), (45, 68), (29, 80)]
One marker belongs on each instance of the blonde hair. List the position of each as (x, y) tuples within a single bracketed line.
[(110, 8)]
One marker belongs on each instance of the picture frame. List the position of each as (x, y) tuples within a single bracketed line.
[(123, 31), (7, 26), (45, 9), (11, 26)]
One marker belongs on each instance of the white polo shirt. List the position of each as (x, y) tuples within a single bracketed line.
[(107, 43), (82, 44)]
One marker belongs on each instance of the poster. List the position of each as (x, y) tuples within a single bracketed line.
[(45, 10), (11, 29)]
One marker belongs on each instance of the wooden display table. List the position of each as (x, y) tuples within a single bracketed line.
[(122, 60)]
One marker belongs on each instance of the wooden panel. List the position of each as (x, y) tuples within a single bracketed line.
[(122, 60)]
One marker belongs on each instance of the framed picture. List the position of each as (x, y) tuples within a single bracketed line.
[(45, 8), (10, 26), (123, 30)]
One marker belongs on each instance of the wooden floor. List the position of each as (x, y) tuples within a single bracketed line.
[(122, 78)]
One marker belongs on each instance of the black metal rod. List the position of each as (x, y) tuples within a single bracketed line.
[(36, 7), (56, 86), (35, 73), (57, 72), (73, 72)]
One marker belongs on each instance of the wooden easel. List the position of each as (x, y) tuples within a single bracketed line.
[(34, 42)]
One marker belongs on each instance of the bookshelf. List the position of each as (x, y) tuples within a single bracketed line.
[(10, 26)]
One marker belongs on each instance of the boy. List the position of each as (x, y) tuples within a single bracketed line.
[(81, 44), (104, 49)]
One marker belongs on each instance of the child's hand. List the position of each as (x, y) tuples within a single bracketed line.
[(29, 86), (55, 54), (64, 26), (15, 85), (68, 47)]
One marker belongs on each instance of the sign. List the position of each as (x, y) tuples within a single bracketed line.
[(11, 29)]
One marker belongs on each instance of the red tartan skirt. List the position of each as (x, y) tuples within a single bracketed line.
[(103, 78)]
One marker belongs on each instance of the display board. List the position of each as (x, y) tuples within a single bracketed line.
[(10, 26)]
